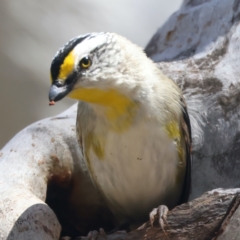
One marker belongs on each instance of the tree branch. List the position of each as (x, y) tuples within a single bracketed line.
[(200, 219)]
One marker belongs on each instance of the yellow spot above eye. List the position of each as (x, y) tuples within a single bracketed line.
[(67, 66)]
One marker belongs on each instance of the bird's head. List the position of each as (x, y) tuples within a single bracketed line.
[(91, 68)]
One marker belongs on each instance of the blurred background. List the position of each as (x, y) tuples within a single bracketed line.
[(31, 32)]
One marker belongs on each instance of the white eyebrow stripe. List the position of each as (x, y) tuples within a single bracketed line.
[(88, 45)]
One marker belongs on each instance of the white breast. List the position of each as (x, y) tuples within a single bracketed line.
[(138, 170)]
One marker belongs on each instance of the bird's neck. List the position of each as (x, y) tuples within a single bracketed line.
[(118, 109)]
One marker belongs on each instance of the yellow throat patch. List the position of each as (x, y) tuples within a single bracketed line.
[(120, 110)]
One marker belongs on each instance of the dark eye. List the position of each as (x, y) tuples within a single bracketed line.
[(85, 63)]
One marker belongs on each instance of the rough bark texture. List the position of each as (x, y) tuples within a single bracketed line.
[(199, 48), (198, 219)]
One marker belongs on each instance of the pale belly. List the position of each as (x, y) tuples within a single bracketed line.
[(137, 170)]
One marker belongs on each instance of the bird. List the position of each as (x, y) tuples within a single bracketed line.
[(132, 123)]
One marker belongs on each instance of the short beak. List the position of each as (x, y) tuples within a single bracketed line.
[(61, 89), (57, 93)]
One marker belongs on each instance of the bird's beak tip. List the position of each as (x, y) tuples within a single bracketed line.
[(57, 93), (51, 103)]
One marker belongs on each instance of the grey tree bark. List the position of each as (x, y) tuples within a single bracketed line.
[(199, 48)]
